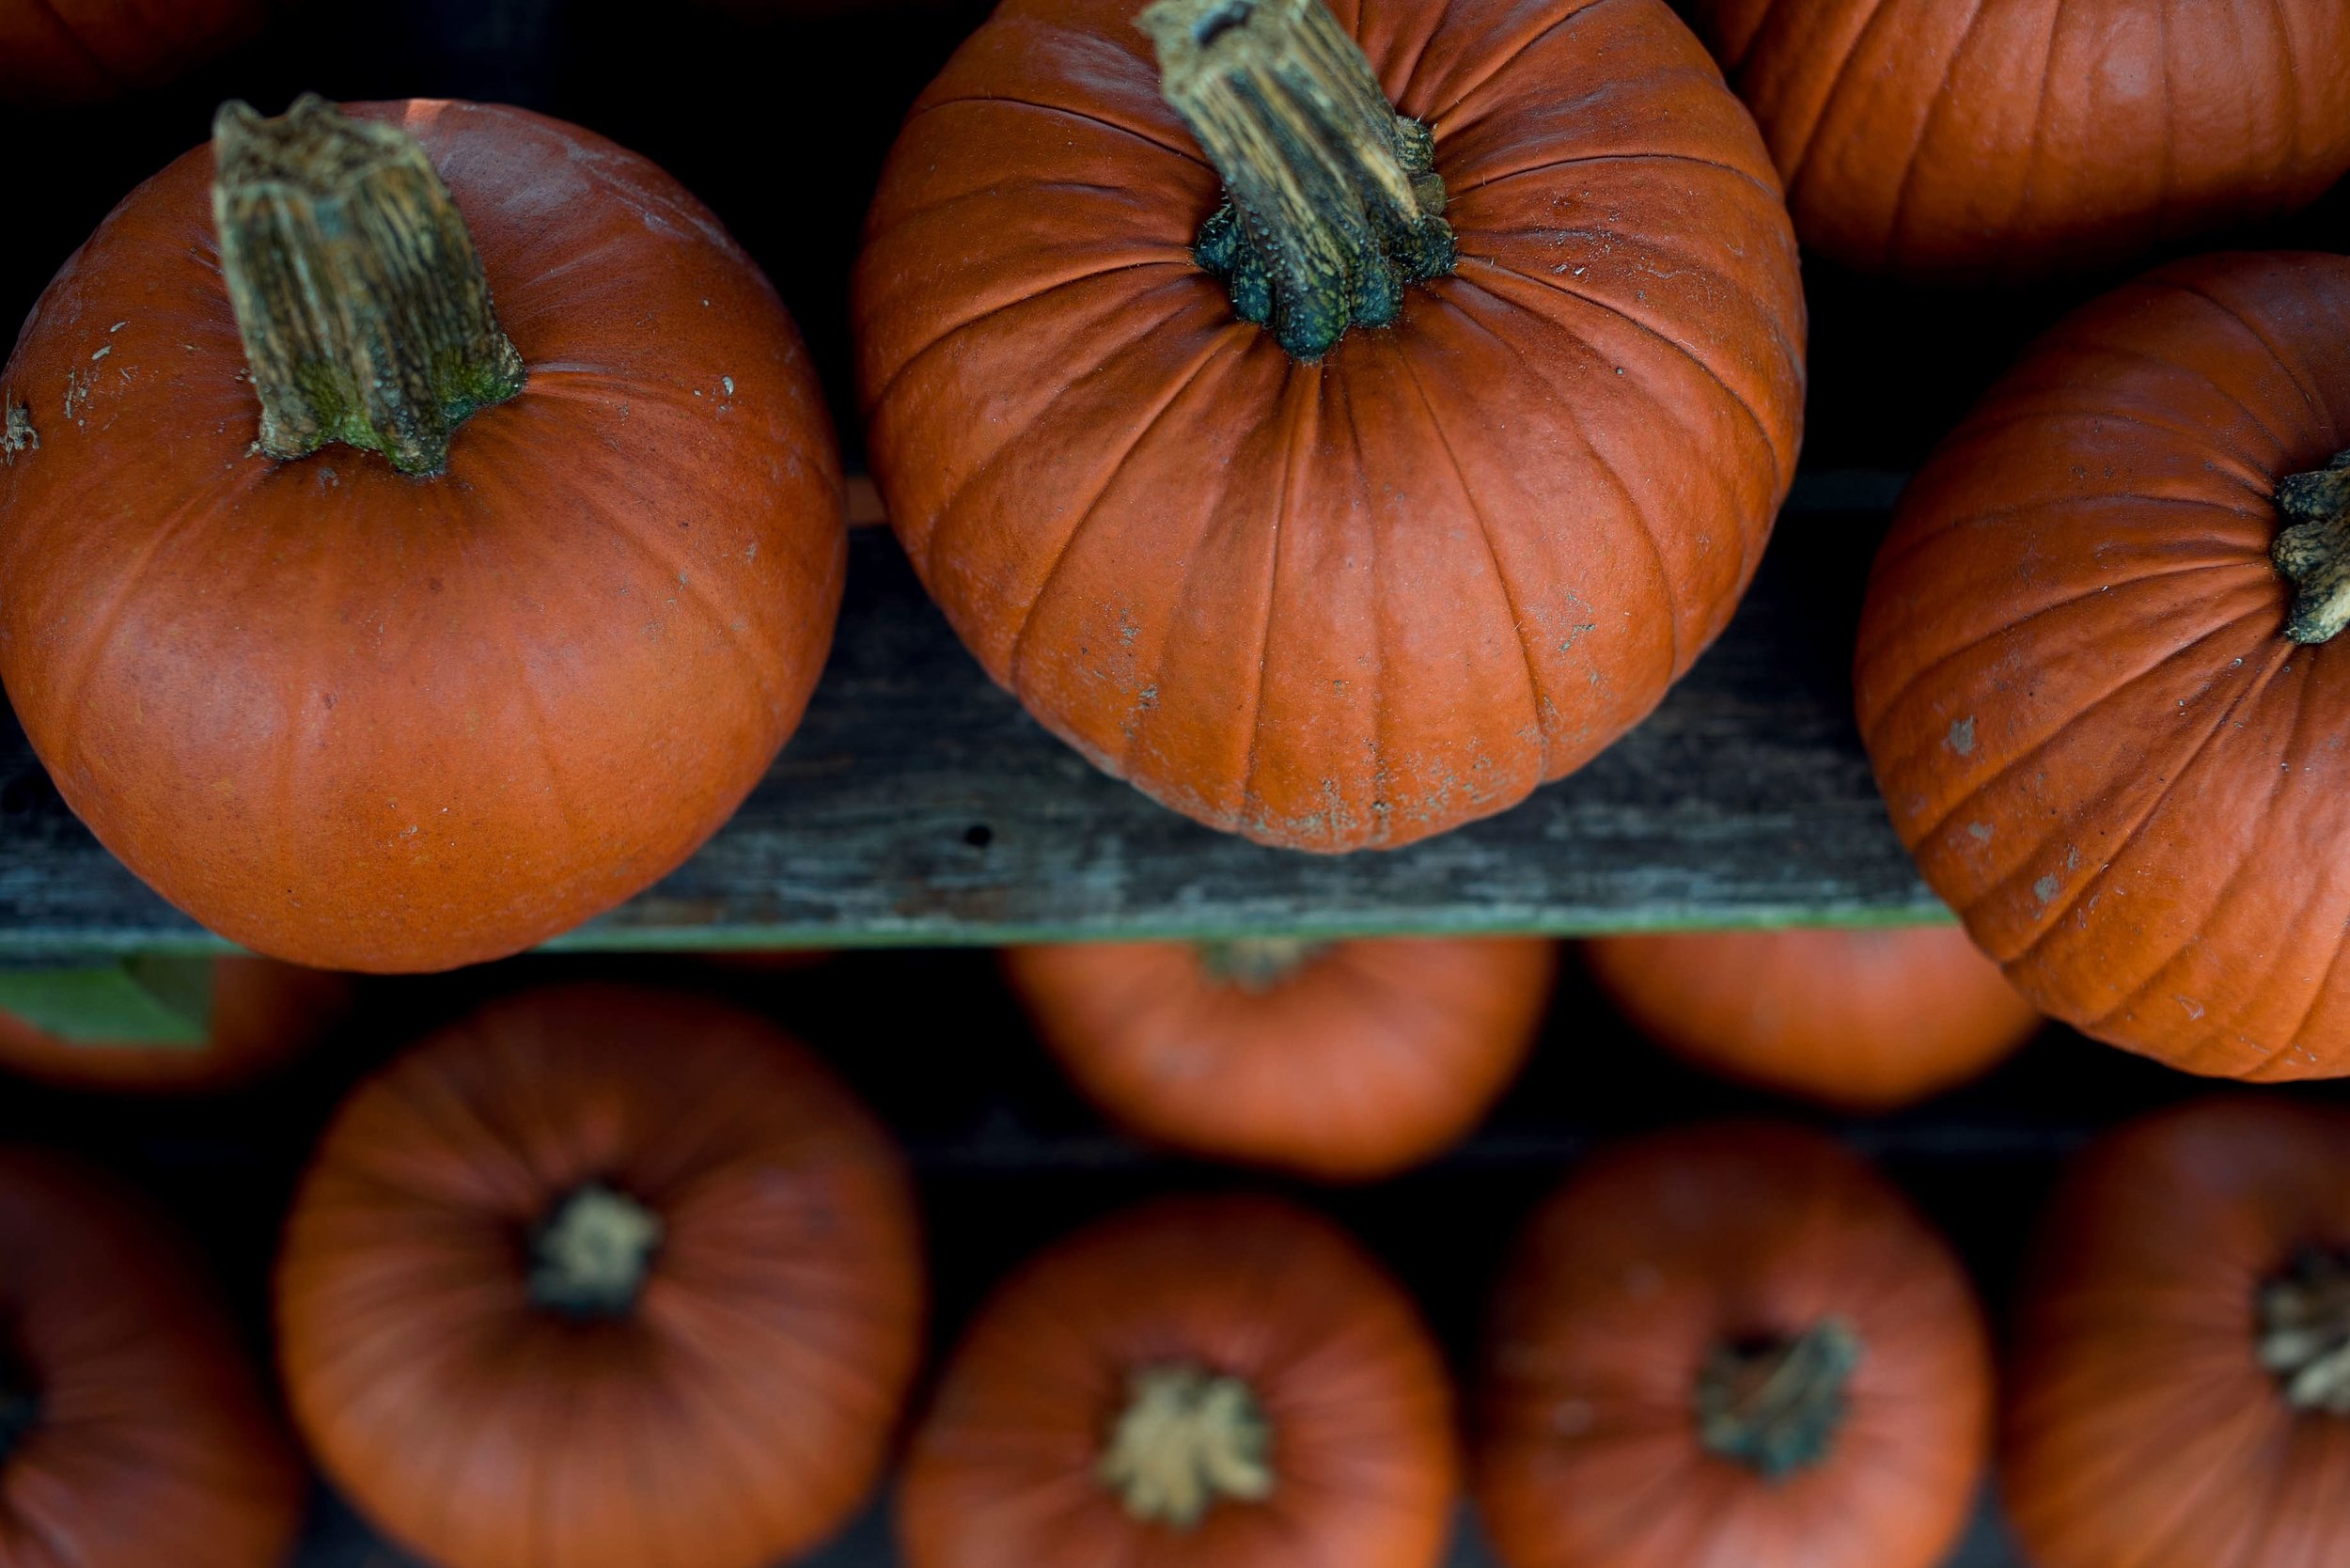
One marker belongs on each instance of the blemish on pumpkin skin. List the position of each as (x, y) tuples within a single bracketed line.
[(2046, 888), (1961, 736), (17, 434), (1980, 832)]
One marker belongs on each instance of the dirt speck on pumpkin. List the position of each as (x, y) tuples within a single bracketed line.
[(2046, 888), (1961, 736), (17, 434), (1980, 832)]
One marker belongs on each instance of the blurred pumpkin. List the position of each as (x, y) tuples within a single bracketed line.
[(55, 53), (132, 1431), (2103, 718), (1341, 1061), (1860, 1020), (1227, 1382), (2180, 1388), (258, 1014), (1733, 1344), (598, 1279)]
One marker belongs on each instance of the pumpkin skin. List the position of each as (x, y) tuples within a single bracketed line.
[(1860, 1020), (1966, 142), (2074, 688), (363, 721), (1352, 602), (154, 1442), (1655, 1254), (1365, 1471), (55, 52), (2135, 1383), (264, 1014), (736, 1412), (1367, 1058)]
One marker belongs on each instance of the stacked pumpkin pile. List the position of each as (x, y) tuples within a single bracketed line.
[(419, 529)]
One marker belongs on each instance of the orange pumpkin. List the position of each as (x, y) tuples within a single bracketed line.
[(133, 1431), (2102, 721), (55, 52), (599, 1278), (1733, 1344), (1343, 1060), (1491, 473), (262, 1014), (428, 702), (1860, 1020), (1222, 1382), (2180, 1386), (1966, 140)]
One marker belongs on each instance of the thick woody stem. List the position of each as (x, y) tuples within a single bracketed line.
[(1777, 1405), (365, 313), (2314, 549), (1186, 1440), (2305, 1332), (591, 1256), (1332, 202), (1258, 963)]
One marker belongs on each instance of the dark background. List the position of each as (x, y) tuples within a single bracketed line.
[(780, 122)]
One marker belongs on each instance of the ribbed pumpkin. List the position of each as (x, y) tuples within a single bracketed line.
[(437, 696), (1225, 1383), (262, 1014), (2102, 721), (2180, 1388), (133, 1431), (1731, 1344), (1975, 140), (1342, 1060), (61, 52), (600, 1279), (1860, 1020), (1491, 473)]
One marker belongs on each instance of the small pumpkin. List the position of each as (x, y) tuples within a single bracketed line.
[(602, 1278), (2180, 1386), (1224, 1382), (2102, 712), (1731, 1344), (132, 1431), (1339, 425), (508, 659), (55, 53), (258, 1014), (1341, 1060), (1963, 140), (1860, 1020)]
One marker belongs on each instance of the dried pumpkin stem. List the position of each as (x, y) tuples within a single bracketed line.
[(2314, 549), (1777, 1405), (590, 1257), (2305, 1332), (1256, 965), (365, 313), (1332, 202), (1188, 1439)]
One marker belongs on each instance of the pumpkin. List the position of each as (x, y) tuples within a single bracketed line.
[(1227, 1382), (602, 1278), (1965, 141), (1860, 1020), (1353, 508), (55, 52), (1340, 1061), (132, 1431), (1731, 1344), (430, 700), (2179, 1394), (2101, 712), (258, 1014)]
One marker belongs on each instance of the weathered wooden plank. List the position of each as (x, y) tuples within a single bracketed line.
[(919, 805)]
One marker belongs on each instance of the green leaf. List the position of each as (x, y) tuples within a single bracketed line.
[(148, 1000)]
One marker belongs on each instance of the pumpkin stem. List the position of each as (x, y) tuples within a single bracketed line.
[(365, 313), (1188, 1439), (2314, 549), (1332, 202), (1776, 1404), (2305, 1332), (590, 1259), (1256, 965)]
